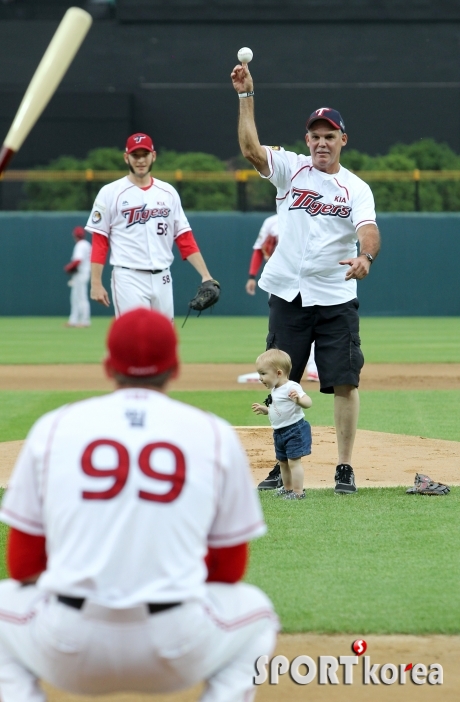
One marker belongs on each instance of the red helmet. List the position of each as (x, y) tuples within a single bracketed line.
[(79, 233)]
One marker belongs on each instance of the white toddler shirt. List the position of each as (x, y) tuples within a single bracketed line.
[(283, 411)]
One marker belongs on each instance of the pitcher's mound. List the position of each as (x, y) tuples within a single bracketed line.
[(379, 460)]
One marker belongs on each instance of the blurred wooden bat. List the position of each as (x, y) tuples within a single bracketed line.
[(51, 69)]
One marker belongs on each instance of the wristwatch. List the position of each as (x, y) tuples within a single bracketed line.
[(368, 256)]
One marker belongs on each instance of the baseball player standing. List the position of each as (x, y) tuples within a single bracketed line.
[(324, 210), (79, 270), (140, 218), (129, 519)]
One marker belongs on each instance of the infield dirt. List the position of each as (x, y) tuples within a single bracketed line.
[(223, 376)]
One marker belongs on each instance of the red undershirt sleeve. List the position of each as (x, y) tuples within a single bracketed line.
[(99, 249), (226, 565), (25, 554), (187, 245), (256, 261), (73, 265)]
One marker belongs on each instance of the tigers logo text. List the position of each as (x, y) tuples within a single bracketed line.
[(308, 200), (141, 215)]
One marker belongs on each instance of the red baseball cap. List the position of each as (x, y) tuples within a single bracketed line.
[(139, 141), (142, 342), (79, 232)]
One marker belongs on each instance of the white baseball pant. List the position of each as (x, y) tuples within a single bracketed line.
[(96, 650), (132, 288), (79, 300)]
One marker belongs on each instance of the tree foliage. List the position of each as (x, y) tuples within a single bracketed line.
[(390, 196), (68, 195)]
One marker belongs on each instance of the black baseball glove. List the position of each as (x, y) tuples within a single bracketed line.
[(206, 296), (424, 485)]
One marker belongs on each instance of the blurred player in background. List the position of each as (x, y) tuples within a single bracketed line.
[(263, 248), (79, 270), (324, 211), (140, 218), (130, 516)]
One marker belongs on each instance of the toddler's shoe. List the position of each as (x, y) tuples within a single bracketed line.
[(291, 495), (281, 491)]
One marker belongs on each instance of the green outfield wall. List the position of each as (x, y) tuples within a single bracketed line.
[(417, 272)]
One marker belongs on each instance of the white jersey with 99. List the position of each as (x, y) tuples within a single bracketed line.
[(141, 223), (134, 462)]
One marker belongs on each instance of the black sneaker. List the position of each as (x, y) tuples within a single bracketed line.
[(273, 479), (344, 479)]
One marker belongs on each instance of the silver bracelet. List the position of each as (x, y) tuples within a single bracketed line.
[(244, 95)]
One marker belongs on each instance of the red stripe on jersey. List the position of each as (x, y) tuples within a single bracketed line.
[(14, 618), (300, 169), (365, 221), (250, 617), (99, 248), (186, 244), (26, 554), (344, 188), (284, 196), (147, 187)]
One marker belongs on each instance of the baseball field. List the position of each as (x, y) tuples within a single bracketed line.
[(380, 565)]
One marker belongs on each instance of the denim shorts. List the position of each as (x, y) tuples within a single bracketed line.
[(293, 441)]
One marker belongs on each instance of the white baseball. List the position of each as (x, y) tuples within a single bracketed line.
[(245, 55)]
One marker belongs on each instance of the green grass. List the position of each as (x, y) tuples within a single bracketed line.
[(213, 339), (20, 409), (376, 562), (433, 414), (46, 340), (367, 563), (411, 339), (379, 562)]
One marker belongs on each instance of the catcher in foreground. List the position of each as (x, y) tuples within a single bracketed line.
[(424, 485), (206, 296)]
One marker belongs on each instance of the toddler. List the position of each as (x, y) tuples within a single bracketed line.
[(291, 432)]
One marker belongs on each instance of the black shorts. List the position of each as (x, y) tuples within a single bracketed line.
[(333, 328)]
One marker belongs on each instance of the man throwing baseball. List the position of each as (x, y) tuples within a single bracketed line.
[(129, 519), (140, 218), (323, 209)]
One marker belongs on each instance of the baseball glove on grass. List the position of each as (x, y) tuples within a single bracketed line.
[(206, 296), (424, 485)]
